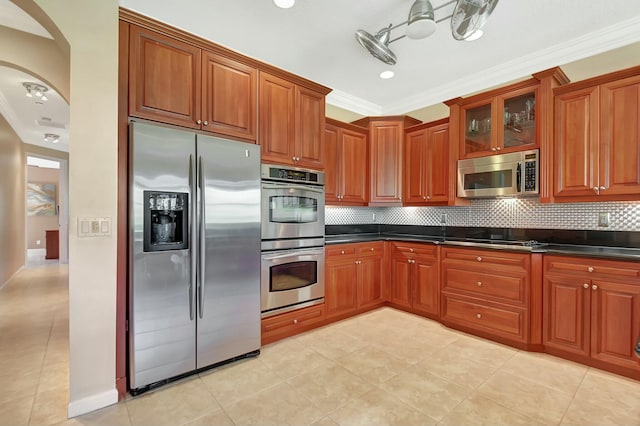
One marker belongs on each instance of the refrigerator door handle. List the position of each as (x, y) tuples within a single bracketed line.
[(194, 263), (202, 242)]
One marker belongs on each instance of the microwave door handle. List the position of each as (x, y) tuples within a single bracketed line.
[(287, 186), (519, 188)]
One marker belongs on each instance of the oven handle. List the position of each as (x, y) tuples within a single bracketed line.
[(292, 253), (288, 186)]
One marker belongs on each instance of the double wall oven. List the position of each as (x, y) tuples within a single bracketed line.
[(292, 273)]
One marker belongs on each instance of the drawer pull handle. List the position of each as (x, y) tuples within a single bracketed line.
[(479, 283), (372, 249), (479, 259), (411, 250), (295, 321), (342, 252), (585, 285), (590, 269), (594, 287), (478, 316)]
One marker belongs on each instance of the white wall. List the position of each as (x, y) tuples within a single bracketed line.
[(91, 28)]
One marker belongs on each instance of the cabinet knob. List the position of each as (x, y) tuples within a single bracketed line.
[(411, 250), (409, 261), (478, 316), (342, 252), (479, 283), (372, 249), (594, 287), (602, 188), (595, 189), (585, 285), (428, 197), (498, 149), (590, 269), (295, 321), (206, 123), (479, 259), (199, 121), (494, 149), (424, 197)]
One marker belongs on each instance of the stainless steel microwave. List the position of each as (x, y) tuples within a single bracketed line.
[(503, 175)]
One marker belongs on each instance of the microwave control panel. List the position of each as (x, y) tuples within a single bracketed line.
[(530, 176)]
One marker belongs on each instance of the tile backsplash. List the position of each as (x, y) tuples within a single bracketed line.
[(501, 213)]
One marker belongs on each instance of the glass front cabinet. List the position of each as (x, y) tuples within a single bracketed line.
[(502, 122)]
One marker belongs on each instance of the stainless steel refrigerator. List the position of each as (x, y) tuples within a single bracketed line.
[(194, 269)]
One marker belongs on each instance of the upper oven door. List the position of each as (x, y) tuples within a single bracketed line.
[(489, 180), (292, 210)]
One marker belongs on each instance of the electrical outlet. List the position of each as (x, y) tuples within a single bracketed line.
[(373, 217), (37, 242), (443, 218), (603, 219)]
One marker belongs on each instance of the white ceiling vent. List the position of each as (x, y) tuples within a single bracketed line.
[(48, 122)]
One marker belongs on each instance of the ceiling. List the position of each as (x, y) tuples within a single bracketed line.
[(315, 39)]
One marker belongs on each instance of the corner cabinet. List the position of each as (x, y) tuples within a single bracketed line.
[(345, 153), (178, 83), (354, 278), (291, 122), (427, 164), (597, 136), (386, 138), (592, 311)]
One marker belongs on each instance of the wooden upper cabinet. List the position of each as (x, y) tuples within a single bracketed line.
[(164, 79), (230, 103), (577, 143), (345, 153), (426, 165), (291, 123), (276, 119), (597, 137), (386, 140)]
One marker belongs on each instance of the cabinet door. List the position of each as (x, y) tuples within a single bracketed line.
[(340, 286), (615, 322), (230, 91), (415, 167), (331, 166), (353, 168), (620, 137), (576, 138), (478, 134), (309, 128), (386, 162), (426, 286), (566, 314), (437, 165), (519, 129), (400, 285), (370, 276), (276, 119), (164, 79)]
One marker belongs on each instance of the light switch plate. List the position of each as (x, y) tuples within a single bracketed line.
[(603, 219), (94, 227)]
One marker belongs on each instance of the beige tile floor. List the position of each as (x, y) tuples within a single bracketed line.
[(383, 367)]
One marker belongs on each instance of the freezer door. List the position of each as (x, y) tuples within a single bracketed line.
[(162, 316), (229, 269)]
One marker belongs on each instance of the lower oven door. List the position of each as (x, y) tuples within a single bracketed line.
[(291, 278), (291, 210)]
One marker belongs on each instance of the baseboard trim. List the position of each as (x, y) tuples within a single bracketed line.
[(12, 277), (92, 403)]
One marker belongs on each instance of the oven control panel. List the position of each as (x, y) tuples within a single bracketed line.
[(292, 174)]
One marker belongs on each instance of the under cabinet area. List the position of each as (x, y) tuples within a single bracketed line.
[(354, 278), (487, 292), (592, 311), (414, 278)]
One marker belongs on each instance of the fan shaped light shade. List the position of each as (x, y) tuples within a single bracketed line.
[(469, 16), (377, 45), (284, 4), (421, 22)]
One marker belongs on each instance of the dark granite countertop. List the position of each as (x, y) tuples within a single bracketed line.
[(600, 251)]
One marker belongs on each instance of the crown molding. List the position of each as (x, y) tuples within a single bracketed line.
[(596, 42)]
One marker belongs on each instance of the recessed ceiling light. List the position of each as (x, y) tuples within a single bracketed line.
[(474, 36), (385, 75), (284, 4)]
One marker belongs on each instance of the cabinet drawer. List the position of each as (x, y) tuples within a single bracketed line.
[(290, 322), (425, 249), (340, 250), (510, 288), (502, 321), (370, 249), (592, 268), (484, 259)]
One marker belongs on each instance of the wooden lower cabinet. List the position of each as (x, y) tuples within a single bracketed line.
[(414, 278), (592, 311), (289, 323), (488, 292), (354, 278)]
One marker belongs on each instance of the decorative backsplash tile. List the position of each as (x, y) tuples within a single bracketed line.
[(502, 213)]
